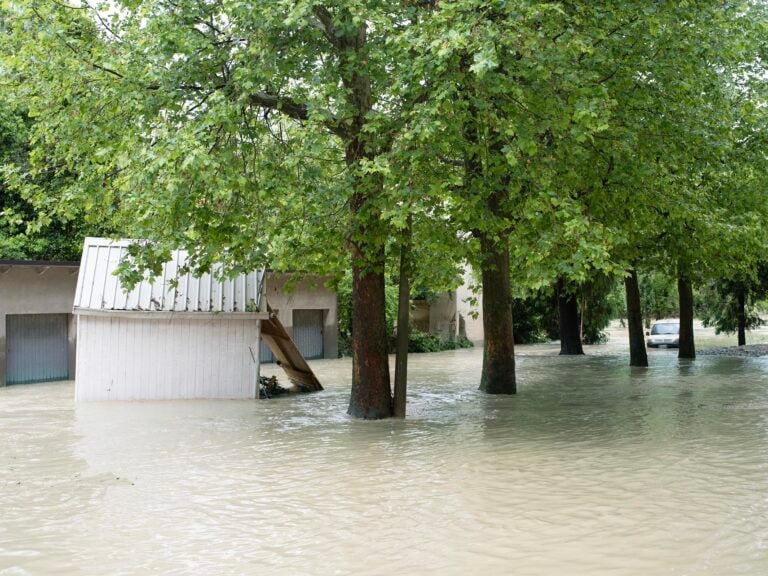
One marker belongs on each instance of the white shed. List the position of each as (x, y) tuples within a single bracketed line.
[(176, 336)]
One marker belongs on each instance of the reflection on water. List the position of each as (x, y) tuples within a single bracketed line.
[(594, 468)]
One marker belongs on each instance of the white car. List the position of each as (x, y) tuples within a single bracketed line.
[(664, 333)]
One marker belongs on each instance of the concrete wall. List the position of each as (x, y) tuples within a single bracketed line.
[(420, 315), (37, 289), (443, 317), (452, 314), (308, 294)]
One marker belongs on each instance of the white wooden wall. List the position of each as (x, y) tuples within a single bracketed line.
[(124, 358)]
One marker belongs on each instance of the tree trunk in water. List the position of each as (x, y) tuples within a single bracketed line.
[(491, 188), (371, 395), (687, 346), (570, 332), (498, 376), (403, 325), (742, 315), (638, 356)]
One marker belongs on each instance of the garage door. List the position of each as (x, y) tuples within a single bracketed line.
[(266, 353), (308, 332), (36, 347)]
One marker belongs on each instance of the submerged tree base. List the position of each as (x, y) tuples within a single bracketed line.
[(498, 376), (638, 356), (569, 321)]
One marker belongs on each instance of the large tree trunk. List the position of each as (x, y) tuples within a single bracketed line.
[(638, 356), (403, 326), (371, 395), (498, 376), (491, 189), (741, 315), (570, 327), (347, 36), (685, 291)]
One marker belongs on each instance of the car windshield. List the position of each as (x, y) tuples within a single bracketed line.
[(665, 329)]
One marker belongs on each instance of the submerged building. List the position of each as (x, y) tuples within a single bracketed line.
[(37, 328), (38, 322), (172, 336), (177, 331)]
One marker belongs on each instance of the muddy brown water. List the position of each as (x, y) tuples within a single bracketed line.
[(594, 468)]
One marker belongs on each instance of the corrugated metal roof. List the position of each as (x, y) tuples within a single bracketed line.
[(98, 289)]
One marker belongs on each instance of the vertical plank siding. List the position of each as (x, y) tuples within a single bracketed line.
[(123, 358)]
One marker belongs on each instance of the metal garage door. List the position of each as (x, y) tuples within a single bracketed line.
[(308, 332), (36, 346), (266, 353)]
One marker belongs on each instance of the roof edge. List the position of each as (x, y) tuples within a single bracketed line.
[(38, 263)]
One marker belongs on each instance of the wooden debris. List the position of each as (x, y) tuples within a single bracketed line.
[(287, 355), (270, 388)]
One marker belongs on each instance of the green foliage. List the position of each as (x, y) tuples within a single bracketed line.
[(617, 300), (419, 341), (26, 232), (717, 306), (344, 314), (535, 317), (589, 137), (227, 128), (423, 342), (718, 301), (598, 138), (597, 306), (658, 296)]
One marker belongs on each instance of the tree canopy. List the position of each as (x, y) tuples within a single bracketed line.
[(541, 141)]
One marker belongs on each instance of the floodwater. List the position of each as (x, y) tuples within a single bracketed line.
[(594, 468)]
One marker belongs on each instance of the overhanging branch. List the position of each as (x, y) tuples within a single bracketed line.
[(295, 110)]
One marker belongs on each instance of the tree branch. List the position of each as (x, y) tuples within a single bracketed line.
[(324, 23), (282, 104), (295, 110)]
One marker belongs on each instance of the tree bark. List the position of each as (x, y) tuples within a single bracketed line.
[(741, 314), (638, 356), (685, 292), (487, 179), (403, 325), (371, 396), (570, 332), (498, 375)]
